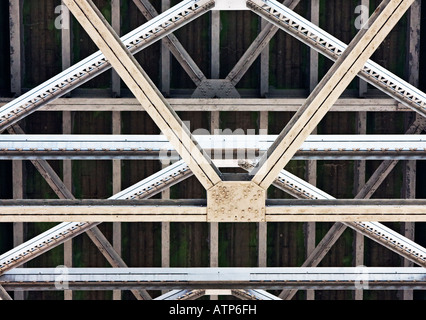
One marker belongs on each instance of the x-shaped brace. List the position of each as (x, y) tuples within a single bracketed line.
[(241, 201)]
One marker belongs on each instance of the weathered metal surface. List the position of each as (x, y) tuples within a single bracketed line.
[(231, 201), (217, 278)]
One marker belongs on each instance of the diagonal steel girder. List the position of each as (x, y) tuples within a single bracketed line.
[(78, 74), (171, 175), (332, 48), (173, 44), (95, 234), (189, 65), (384, 235), (373, 230), (68, 230), (182, 295), (256, 48), (3, 294), (328, 90), (145, 91), (179, 171), (106, 248), (22, 254)]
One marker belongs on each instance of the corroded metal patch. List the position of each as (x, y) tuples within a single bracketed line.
[(236, 201)]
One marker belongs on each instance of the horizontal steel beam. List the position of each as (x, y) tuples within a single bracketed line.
[(214, 278), (144, 90), (71, 78), (345, 210), (321, 41), (57, 235), (320, 147), (103, 211), (153, 210), (192, 104), (328, 90), (376, 231)]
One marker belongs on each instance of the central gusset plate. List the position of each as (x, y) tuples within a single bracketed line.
[(236, 201)]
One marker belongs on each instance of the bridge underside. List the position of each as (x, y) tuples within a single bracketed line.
[(220, 196)]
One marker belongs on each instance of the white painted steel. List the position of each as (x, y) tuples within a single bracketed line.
[(338, 147), (217, 278), (332, 47), (71, 78), (255, 294), (144, 90), (230, 5), (196, 211), (191, 104), (181, 295), (391, 239), (394, 240), (67, 230)]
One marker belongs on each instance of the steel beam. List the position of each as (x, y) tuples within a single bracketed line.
[(254, 294), (217, 278), (387, 166), (374, 230), (256, 48), (331, 47), (94, 234), (311, 165), (67, 230), (196, 211), (328, 90), (144, 90), (173, 44), (103, 210), (3, 294), (215, 28), (182, 295), (320, 147), (115, 260), (172, 19), (67, 164), (116, 25), (243, 104)]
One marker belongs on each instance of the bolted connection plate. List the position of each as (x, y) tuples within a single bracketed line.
[(236, 201)]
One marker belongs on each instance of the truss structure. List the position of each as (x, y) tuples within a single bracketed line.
[(238, 197)]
